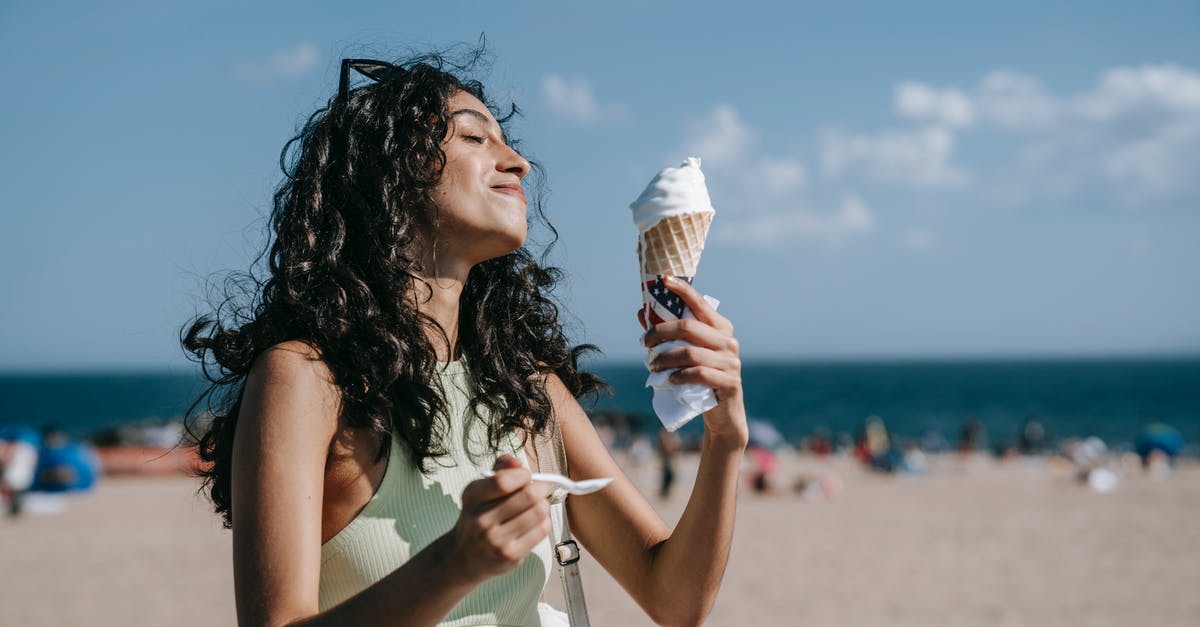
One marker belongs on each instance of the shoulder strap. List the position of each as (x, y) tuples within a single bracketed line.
[(552, 457)]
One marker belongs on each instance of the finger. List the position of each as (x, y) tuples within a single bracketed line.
[(703, 311), (710, 377), (535, 534), (641, 316), (694, 356), (692, 331), (507, 508), (515, 547), (480, 492), (527, 518), (523, 545), (502, 527)]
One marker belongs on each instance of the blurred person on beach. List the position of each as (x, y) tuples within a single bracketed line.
[(668, 451), (764, 439), (763, 465), (18, 465), (1032, 440), (973, 436), (820, 443), (404, 343), (874, 446)]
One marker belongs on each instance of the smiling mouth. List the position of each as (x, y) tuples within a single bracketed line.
[(515, 191)]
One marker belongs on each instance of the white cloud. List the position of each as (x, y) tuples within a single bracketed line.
[(850, 217), (1155, 164), (720, 137), (925, 104), (920, 157), (1134, 134), (1161, 89), (280, 65), (1137, 130), (759, 185), (1146, 122), (572, 99), (1012, 100)]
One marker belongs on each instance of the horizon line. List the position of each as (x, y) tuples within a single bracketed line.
[(911, 358)]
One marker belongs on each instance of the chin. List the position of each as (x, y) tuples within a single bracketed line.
[(505, 243), (515, 243)]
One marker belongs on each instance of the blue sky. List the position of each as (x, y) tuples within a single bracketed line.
[(904, 180)]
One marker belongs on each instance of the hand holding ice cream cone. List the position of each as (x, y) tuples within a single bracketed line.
[(712, 360), (672, 216)]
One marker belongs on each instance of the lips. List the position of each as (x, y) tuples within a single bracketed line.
[(515, 190)]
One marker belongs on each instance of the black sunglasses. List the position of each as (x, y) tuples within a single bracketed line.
[(375, 70)]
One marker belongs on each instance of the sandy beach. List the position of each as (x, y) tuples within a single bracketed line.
[(973, 542)]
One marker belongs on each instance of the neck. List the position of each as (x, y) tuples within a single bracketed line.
[(439, 298)]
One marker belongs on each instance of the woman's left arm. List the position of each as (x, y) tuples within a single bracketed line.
[(673, 575)]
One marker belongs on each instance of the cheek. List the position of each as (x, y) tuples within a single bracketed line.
[(447, 183), (450, 196)]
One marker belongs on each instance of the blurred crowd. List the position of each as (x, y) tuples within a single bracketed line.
[(653, 460)]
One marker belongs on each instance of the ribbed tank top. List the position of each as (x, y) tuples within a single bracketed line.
[(411, 510)]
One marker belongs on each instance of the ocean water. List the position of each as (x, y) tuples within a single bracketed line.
[(1111, 399)]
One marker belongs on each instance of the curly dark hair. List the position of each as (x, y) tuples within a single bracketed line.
[(346, 251)]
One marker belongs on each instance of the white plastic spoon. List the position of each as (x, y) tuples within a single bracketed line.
[(587, 486)]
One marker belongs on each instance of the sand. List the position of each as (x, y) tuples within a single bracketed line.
[(973, 542)]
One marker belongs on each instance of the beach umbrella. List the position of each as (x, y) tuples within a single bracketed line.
[(764, 434)]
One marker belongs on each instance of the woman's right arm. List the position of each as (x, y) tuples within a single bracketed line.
[(289, 415)]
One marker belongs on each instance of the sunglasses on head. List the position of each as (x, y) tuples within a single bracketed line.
[(377, 71)]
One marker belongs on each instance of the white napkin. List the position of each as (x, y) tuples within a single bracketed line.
[(551, 617), (677, 403)]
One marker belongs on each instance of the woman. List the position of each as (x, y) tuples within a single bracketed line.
[(404, 343)]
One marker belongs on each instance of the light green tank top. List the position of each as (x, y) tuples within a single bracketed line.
[(411, 510)]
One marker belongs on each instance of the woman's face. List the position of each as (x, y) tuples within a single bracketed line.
[(480, 199)]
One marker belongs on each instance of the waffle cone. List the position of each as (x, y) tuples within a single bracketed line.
[(672, 247)]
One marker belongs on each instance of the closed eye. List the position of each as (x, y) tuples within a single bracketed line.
[(479, 139)]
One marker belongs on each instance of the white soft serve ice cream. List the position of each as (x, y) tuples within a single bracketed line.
[(674, 191)]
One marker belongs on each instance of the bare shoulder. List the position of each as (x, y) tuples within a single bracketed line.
[(291, 379), (292, 359)]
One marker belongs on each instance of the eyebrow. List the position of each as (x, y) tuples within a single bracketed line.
[(481, 117)]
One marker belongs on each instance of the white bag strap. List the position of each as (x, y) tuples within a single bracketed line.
[(552, 458)]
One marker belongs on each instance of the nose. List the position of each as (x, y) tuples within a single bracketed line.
[(513, 163)]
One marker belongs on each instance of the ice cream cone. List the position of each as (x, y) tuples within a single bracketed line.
[(672, 247), (672, 216)]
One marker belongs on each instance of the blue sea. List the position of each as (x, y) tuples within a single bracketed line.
[(1109, 398)]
